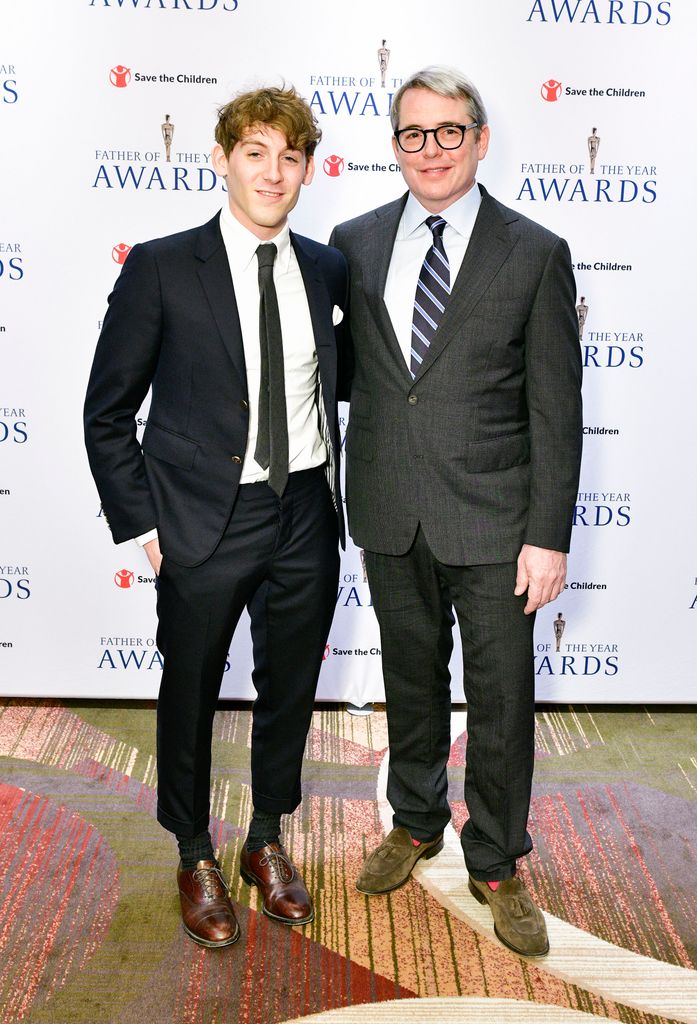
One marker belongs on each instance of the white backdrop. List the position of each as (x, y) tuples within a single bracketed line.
[(84, 89)]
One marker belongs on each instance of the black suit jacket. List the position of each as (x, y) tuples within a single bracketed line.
[(483, 448), (172, 323)]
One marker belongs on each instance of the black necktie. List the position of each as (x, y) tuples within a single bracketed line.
[(272, 438)]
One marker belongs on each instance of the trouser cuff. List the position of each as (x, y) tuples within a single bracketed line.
[(275, 805), (186, 829)]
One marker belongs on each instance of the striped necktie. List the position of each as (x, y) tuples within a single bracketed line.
[(432, 293)]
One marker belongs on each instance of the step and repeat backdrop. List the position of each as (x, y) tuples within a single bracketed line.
[(107, 110)]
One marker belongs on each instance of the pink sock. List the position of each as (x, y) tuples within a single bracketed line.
[(415, 842), (493, 885)]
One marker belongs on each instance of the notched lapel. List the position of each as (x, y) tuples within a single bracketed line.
[(321, 307), (317, 295), (490, 245), (214, 273), (378, 255)]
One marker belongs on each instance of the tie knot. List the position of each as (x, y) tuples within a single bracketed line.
[(437, 225), (266, 254)]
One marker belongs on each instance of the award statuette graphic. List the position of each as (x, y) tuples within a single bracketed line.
[(593, 147), (559, 625), (383, 60), (365, 571), (582, 312), (167, 135)]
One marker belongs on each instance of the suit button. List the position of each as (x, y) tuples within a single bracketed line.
[(244, 404), (236, 459), (413, 399)]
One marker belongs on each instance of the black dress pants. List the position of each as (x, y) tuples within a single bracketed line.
[(414, 595), (279, 558)]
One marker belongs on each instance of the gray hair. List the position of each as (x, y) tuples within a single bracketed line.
[(445, 81)]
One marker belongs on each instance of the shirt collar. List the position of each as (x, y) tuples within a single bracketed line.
[(460, 215), (241, 244)]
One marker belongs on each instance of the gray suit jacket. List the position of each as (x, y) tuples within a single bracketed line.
[(484, 447)]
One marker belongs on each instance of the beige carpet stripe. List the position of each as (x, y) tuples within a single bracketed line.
[(451, 1010), (575, 956)]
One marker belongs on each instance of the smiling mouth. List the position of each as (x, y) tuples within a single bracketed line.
[(269, 195)]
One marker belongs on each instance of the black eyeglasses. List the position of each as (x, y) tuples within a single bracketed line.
[(448, 136)]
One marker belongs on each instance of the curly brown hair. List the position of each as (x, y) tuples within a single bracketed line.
[(283, 109)]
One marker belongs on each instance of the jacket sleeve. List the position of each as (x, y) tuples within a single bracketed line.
[(344, 343), (124, 365), (553, 384)]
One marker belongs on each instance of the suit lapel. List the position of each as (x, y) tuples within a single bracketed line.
[(378, 254), (214, 273), (492, 240), (317, 295), (320, 305)]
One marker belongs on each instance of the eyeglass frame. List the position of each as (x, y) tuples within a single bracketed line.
[(432, 131)]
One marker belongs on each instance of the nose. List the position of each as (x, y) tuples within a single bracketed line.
[(431, 148), (272, 171)]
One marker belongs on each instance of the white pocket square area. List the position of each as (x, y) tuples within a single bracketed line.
[(337, 315)]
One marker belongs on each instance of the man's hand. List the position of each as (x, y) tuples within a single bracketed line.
[(542, 573), (152, 550)]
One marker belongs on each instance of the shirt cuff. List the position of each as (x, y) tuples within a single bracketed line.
[(145, 537)]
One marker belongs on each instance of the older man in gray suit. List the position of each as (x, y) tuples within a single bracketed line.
[(463, 448)]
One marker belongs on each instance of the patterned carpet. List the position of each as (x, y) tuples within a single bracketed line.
[(89, 925)]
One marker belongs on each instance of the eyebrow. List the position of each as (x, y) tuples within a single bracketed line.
[(441, 124), (260, 144)]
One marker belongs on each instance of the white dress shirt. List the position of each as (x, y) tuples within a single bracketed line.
[(306, 447), (412, 242)]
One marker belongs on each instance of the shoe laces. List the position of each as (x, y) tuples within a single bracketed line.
[(211, 880), (278, 865)]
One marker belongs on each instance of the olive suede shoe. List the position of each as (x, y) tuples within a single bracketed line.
[(390, 865), (517, 921)]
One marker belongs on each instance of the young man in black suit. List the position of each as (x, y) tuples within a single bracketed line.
[(235, 493)]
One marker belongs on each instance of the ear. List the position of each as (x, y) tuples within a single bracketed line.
[(219, 160), (309, 170), (483, 142)]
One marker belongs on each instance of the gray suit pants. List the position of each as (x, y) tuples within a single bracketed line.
[(414, 596)]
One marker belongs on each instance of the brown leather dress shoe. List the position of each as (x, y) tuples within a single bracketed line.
[(518, 923), (206, 907), (285, 897)]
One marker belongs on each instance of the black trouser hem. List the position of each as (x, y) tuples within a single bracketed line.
[(186, 829)]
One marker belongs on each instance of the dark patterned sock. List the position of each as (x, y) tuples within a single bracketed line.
[(192, 850), (264, 828)]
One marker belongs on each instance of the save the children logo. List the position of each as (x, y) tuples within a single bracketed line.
[(333, 165), (550, 90), (120, 252), (120, 76)]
